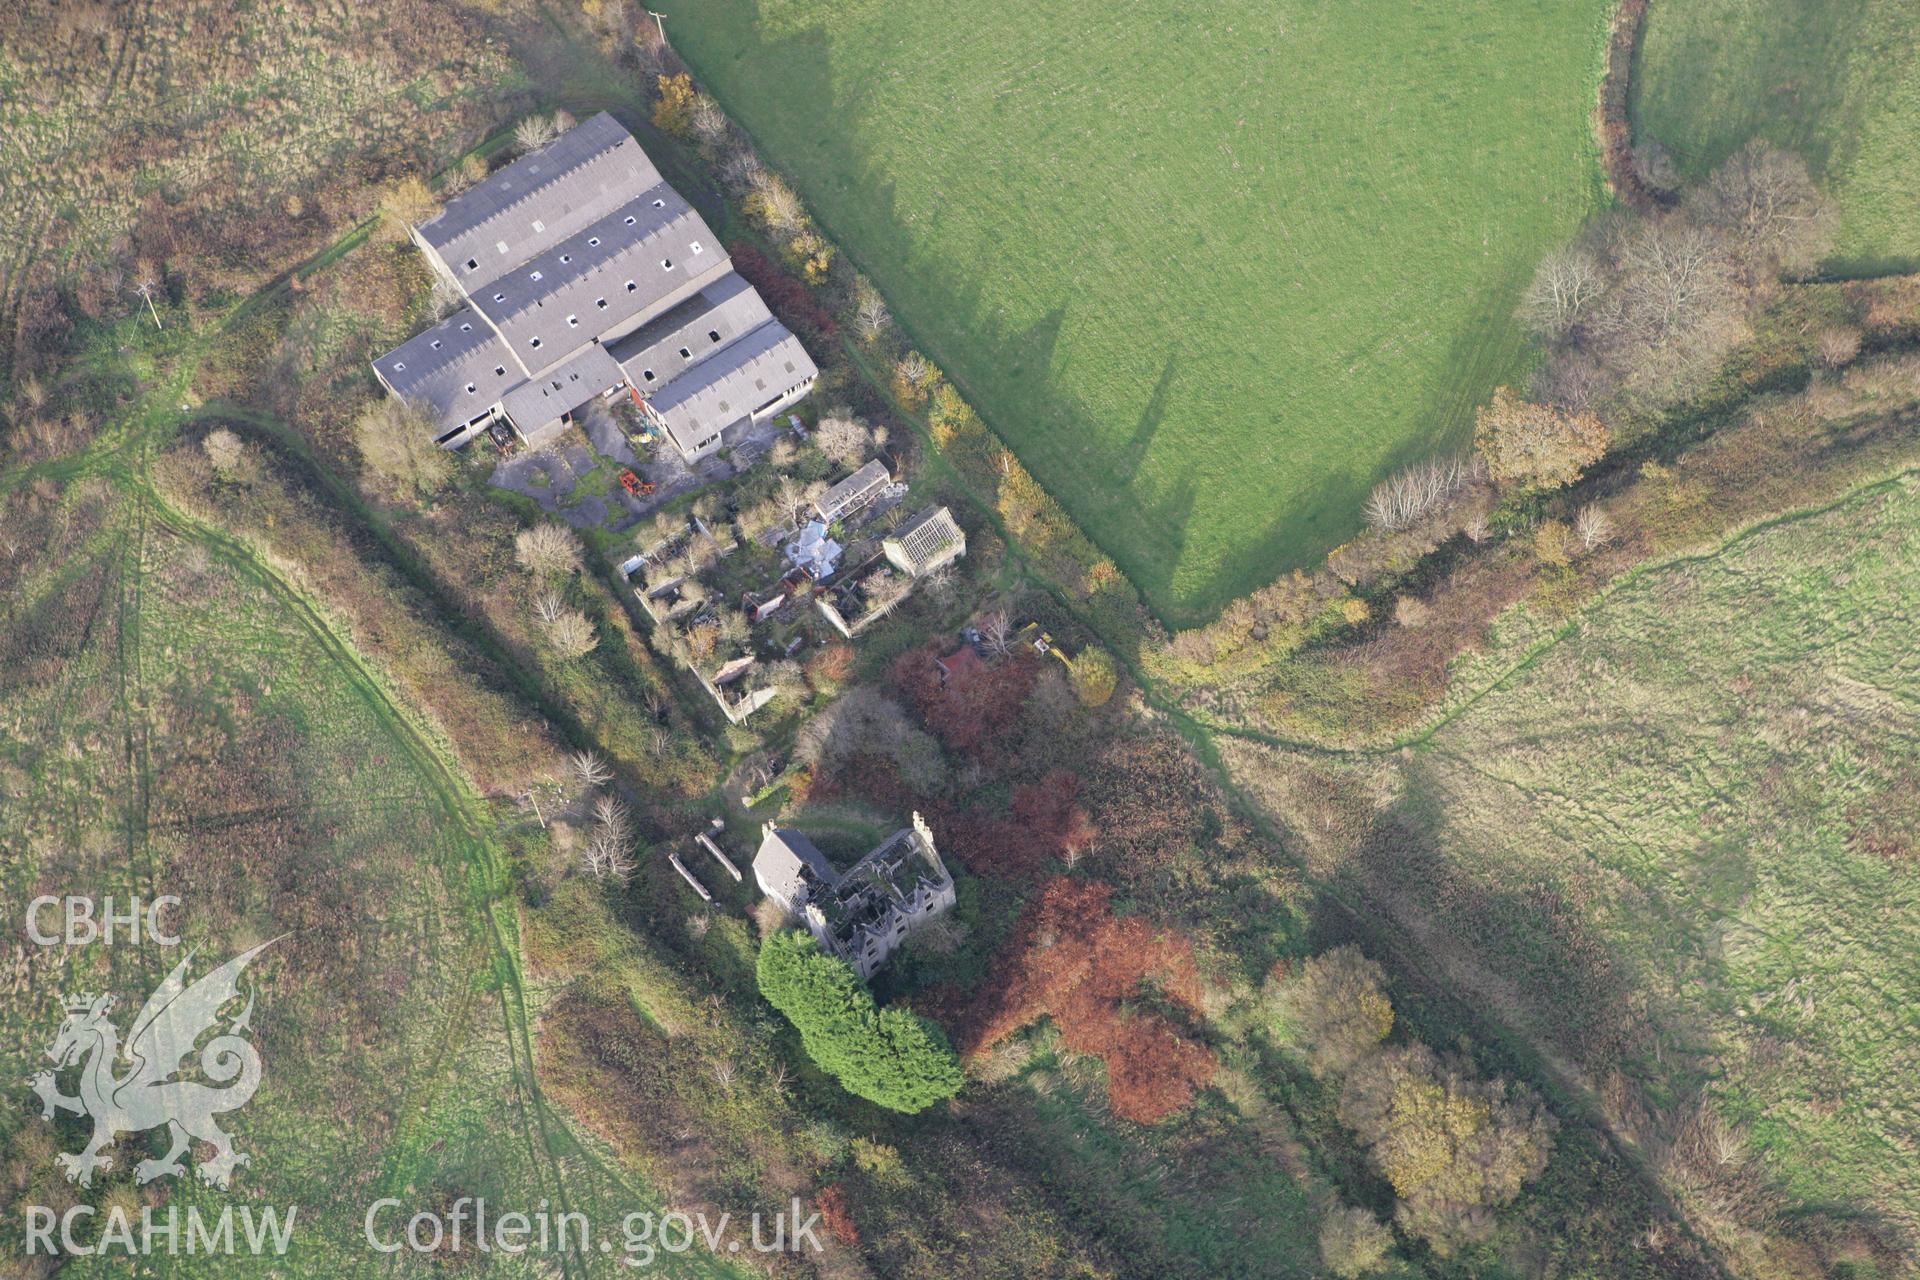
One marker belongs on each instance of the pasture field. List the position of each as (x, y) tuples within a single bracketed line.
[(1837, 81), (1210, 272), (174, 718), (1677, 849)]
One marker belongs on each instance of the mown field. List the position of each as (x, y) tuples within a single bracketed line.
[(1210, 272), (1836, 80), (174, 719), (1678, 850)]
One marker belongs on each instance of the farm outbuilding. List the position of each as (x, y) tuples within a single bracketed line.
[(583, 273)]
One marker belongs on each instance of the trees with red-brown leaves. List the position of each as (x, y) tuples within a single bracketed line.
[(1045, 824), (990, 845), (836, 1214), (1073, 960), (973, 712), (788, 298), (829, 668), (1048, 810)]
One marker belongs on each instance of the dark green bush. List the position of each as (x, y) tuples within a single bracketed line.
[(893, 1056)]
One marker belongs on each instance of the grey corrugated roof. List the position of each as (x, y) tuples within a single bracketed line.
[(785, 858), (559, 390), (855, 490), (733, 382), (656, 243), (728, 308), (435, 367), (577, 179)]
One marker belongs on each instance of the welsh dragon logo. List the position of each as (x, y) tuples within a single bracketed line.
[(147, 1096)]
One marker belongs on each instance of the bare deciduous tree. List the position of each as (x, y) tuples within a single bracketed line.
[(546, 548), (1413, 492), (227, 451), (609, 851), (997, 634), (572, 634), (591, 769), (795, 497), (1593, 527), (404, 203), (1411, 612), (914, 370), (885, 590), (776, 202), (1565, 287), (869, 310), (548, 606), (533, 134), (396, 438), (1838, 345), (941, 583), (1674, 275), (741, 169), (1765, 202), (709, 121), (842, 437)]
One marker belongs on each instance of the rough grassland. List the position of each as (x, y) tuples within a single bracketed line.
[(1685, 841), (1835, 80), (1210, 271), (174, 719)]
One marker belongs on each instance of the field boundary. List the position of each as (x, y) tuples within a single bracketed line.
[(1571, 626), (1612, 122)]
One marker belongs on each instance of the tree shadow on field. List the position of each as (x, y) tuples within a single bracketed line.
[(1011, 374), (1512, 976), (1796, 81), (1148, 427)]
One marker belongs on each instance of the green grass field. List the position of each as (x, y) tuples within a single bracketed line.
[(1677, 848), (1836, 80), (1211, 272), (175, 718)]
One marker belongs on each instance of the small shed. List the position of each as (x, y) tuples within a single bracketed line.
[(733, 670), (959, 666)]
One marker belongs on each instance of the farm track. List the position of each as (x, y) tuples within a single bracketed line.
[(121, 458), (452, 796)]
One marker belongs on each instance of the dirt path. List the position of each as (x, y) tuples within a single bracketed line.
[(121, 457)]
